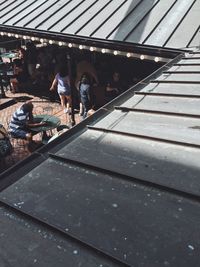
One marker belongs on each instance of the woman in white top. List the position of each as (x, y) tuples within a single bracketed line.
[(61, 82)]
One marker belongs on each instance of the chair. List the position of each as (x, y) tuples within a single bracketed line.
[(62, 127), (5, 79), (17, 143)]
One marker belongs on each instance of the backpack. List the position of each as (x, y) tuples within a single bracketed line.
[(6, 147)]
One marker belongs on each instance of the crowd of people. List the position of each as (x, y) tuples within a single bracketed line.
[(48, 67), (51, 67), (80, 80)]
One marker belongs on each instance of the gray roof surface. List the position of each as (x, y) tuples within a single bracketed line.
[(148, 22), (121, 188)]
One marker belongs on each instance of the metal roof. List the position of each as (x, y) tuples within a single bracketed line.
[(147, 22), (119, 189)]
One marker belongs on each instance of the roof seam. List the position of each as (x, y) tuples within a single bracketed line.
[(123, 176), (20, 12), (53, 13), (71, 10), (147, 37), (79, 15), (128, 14), (64, 233), (126, 37), (39, 14), (101, 24), (98, 12), (30, 12), (170, 36), (12, 9)]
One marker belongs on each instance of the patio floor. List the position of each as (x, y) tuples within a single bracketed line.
[(41, 105)]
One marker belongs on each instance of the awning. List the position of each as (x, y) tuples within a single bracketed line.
[(119, 24)]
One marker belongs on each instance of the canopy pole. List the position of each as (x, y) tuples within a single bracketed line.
[(73, 122)]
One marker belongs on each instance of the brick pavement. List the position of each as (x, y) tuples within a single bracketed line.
[(41, 105)]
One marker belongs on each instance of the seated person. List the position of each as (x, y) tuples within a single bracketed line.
[(5, 145), (19, 76), (22, 120), (113, 87), (20, 52)]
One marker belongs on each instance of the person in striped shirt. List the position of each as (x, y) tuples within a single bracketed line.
[(22, 120)]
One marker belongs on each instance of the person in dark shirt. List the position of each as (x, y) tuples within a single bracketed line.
[(85, 91), (113, 87), (30, 59), (19, 75)]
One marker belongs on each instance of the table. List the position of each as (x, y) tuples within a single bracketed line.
[(9, 55), (52, 122)]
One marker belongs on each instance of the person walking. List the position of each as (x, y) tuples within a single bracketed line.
[(61, 83), (85, 92)]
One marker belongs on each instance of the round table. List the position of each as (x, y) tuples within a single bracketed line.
[(52, 122), (9, 55)]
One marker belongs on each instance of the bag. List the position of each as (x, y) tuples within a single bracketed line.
[(5, 144)]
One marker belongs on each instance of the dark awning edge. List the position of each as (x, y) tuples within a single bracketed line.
[(91, 41)]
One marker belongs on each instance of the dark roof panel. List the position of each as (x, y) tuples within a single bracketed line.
[(124, 219), (28, 242)]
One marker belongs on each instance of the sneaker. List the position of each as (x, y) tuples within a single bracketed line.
[(66, 110)]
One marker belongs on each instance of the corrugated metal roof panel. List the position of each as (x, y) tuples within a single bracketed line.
[(124, 181), (166, 28), (86, 17), (133, 18), (150, 22), (177, 105), (101, 17), (193, 89), (147, 22), (69, 14), (187, 28)]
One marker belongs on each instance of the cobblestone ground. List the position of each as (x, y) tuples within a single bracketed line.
[(41, 106)]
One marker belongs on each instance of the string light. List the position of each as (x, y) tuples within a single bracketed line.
[(45, 42)]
